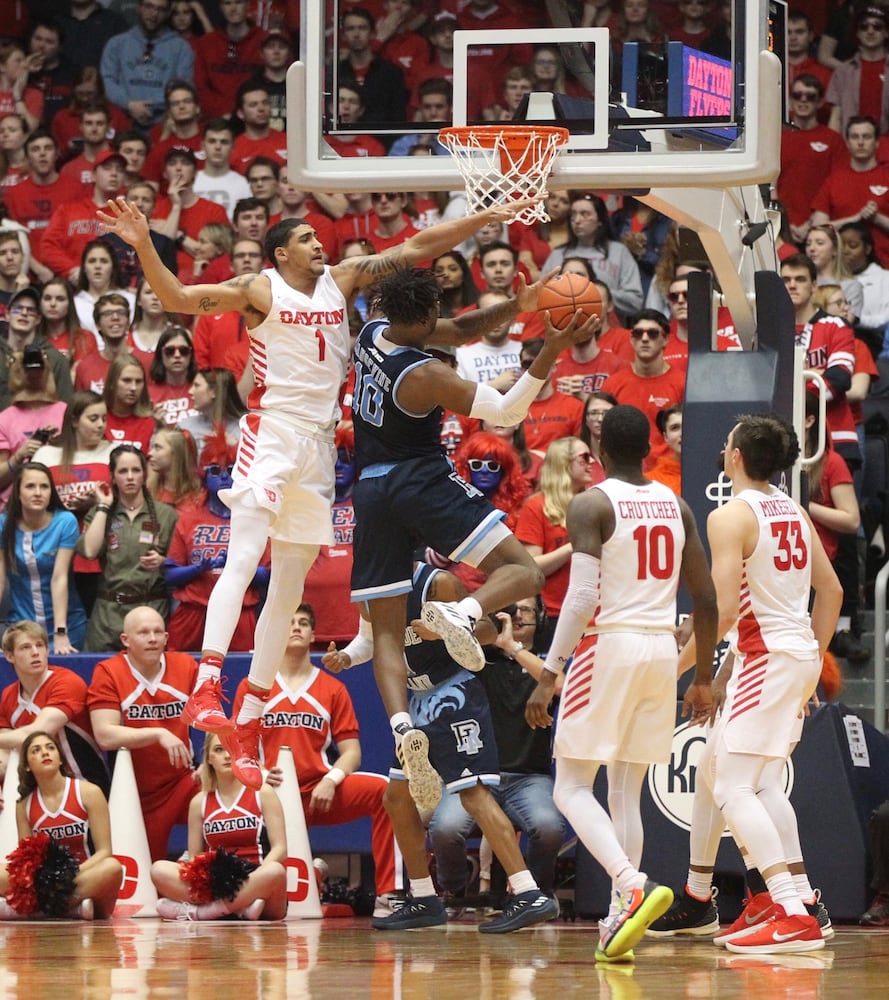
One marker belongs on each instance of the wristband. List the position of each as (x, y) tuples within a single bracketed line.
[(103, 508), (519, 646), (336, 774)]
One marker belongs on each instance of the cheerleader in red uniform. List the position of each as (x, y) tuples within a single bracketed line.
[(63, 865), (237, 847)]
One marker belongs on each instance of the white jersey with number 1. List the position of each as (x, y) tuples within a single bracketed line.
[(300, 351)]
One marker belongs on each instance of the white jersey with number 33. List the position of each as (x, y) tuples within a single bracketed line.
[(639, 566), (777, 576), (300, 351)]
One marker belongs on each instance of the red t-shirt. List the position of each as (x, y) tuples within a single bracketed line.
[(32, 204), (550, 419), (328, 584), (191, 221), (245, 150), (534, 528), (594, 372), (130, 430), (847, 191), (215, 336), (834, 472), (807, 157), (650, 395), (175, 400), (91, 373)]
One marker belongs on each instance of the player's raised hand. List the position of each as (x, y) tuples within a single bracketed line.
[(578, 331), (526, 295), (125, 220)]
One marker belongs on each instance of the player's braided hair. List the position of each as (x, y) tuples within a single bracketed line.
[(408, 296)]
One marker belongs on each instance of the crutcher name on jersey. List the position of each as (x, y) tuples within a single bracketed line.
[(142, 713), (320, 317), (293, 720), (633, 509)]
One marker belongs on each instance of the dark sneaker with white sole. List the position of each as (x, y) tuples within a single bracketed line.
[(522, 910)]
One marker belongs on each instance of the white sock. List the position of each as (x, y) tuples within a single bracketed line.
[(252, 708), (804, 887), (630, 879), (783, 892), (209, 669), (522, 881), (470, 606), (698, 884), (422, 887)]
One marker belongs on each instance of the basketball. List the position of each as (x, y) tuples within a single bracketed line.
[(565, 294)]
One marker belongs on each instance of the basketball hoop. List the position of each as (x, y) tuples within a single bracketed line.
[(503, 163)]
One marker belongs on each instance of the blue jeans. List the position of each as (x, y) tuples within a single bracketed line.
[(527, 799)]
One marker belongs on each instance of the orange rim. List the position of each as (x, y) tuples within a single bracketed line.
[(516, 138)]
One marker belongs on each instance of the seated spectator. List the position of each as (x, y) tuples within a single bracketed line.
[(173, 476), (95, 139), (277, 55), (49, 698), (150, 320), (525, 792), (861, 262), (251, 222), (529, 461), (566, 471), (392, 225), (13, 161), (226, 58), (328, 583), (189, 20), (517, 82), (130, 417), (88, 92), (216, 180), (596, 405), (171, 375), (59, 323), (262, 175), (99, 275), (492, 465), (143, 195), (136, 700), (349, 113), (553, 414), (860, 85), (37, 539), (15, 94), (436, 107), (74, 813), (536, 243), (133, 147), (641, 229), (823, 248), (217, 334), (667, 469), (197, 553), (258, 138), (312, 713), (495, 357), (129, 533), (454, 279), (383, 90), (650, 383), (214, 241), (179, 128), (21, 334), (214, 397), (75, 224), (32, 201), (34, 416), (227, 817), (112, 318), (611, 261)]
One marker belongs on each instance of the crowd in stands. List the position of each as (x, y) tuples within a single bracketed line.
[(119, 421)]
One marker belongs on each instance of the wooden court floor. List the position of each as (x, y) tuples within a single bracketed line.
[(347, 960)]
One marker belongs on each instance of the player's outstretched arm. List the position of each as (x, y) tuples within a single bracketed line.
[(246, 293), (356, 272)]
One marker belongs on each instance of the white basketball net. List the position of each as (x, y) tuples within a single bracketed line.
[(500, 164)]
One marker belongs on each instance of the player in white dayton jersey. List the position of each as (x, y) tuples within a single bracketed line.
[(632, 539), (766, 560), (283, 481)]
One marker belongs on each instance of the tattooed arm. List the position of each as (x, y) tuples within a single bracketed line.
[(356, 272), (250, 294)]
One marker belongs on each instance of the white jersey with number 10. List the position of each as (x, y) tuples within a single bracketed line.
[(639, 566)]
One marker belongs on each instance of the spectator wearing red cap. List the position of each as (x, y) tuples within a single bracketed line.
[(73, 224)]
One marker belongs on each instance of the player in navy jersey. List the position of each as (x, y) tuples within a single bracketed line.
[(449, 708), (283, 481), (408, 491)]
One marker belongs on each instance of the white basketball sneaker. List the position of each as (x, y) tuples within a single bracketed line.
[(457, 630)]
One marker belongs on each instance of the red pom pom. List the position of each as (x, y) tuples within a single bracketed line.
[(831, 677), (22, 865), (196, 875)]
